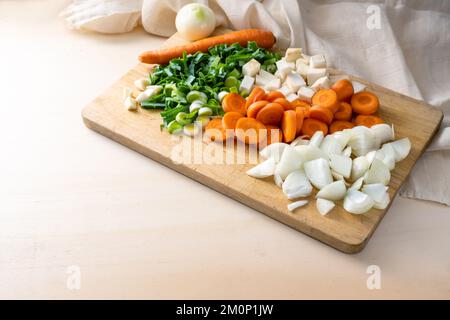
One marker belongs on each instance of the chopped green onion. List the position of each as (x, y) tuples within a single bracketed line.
[(205, 111), (182, 118), (231, 82), (174, 126), (196, 95)]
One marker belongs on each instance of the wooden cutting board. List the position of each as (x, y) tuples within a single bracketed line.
[(349, 233)]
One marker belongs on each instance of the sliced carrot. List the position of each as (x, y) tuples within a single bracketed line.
[(367, 120), (312, 125), (272, 95), (344, 112), (302, 104), (326, 98), (340, 125), (321, 113), (286, 104), (271, 113), (274, 134), (289, 125), (263, 38), (255, 107), (214, 131), (365, 102), (234, 102), (300, 113), (250, 130), (343, 89), (255, 95), (230, 118)]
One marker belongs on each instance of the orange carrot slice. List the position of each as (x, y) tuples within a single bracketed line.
[(300, 113), (230, 119), (312, 125), (365, 103), (326, 98), (255, 95), (272, 95), (321, 113), (214, 131), (340, 125), (343, 89), (250, 130), (255, 107), (289, 125), (286, 104), (367, 120), (271, 114), (234, 102), (344, 112)]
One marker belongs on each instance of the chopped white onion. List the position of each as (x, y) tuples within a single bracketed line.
[(360, 166), (388, 155), (309, 153), (357, 184), (318, 172), (376, 191), (294, 205), (402, 148), (316, 139), (357, 202), (347, 152), (274, 150), (334, 191), (299, 141), (324, 206), (383, 132), (297, 185), (290, 160), (263, 170), (362, 141), (341, 165), (330, 145), (336, 175), (343, 137), (378, 173), (278, 180)]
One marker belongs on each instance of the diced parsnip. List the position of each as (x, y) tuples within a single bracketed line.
[(280, 75), (141, 84), (149, 92), (251, 68), (292, 54), (318, 61), (261, 81), (305, 93), (291, 97), (302, 68), (321, 83), (273, 85), (314, 74), (130, 104), (286, 91), (283, 67), (247, 84), (263, 73), (358, 86), (294, 81)]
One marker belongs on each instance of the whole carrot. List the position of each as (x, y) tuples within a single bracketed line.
[(263, 38)]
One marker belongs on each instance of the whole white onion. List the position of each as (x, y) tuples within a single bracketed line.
[(195, 21)]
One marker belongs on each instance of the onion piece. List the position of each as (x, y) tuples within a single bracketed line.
[(378, 173), (388, 155), (324, 206), (318, 172), (263, 170), (370, 156), (294, 205), (357, 184), (343, 137), (290, 160), (274, 150), (384, 203), (360, 166), (347, 152), (330, 145), (297, 185), (383, 132), (362, 141), (309, 153), (316, 139), (299, 141), (278, 180), (357, 202), (336, 175), (402, 148), (334, 191), (376, 191), (341, 165)]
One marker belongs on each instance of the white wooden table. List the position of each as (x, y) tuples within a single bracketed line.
[(83, 217)]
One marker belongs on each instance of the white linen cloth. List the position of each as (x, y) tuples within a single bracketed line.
[(408, 51)]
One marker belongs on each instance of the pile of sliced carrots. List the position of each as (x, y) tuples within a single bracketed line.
[(275, 119)]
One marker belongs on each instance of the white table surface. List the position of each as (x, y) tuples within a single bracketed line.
[(135, 229)]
